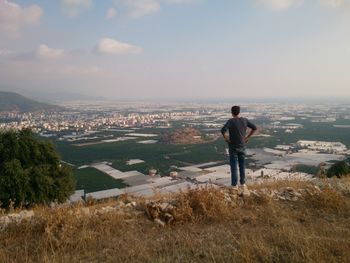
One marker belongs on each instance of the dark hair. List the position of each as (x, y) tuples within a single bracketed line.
[(235, 110)]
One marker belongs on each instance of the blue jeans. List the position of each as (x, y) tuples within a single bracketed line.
[(237, 154)]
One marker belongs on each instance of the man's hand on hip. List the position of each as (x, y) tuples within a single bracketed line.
[(227, 138)]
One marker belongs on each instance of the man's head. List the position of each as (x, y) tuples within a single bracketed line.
[(235, 110)]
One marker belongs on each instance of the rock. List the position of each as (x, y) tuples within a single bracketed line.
[(163, 206), (5, 220), (255, 194), (281, 198), (245, 192), (169, 208), (121, 204), (233, 191), (297, 194), (153, 210), (159, 222), (290, 194), (105, 210), (129, 205), (26, 214), (168, 218), (174, 203), (14, 217)]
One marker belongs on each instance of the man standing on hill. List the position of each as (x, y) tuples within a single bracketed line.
[(237, 140)]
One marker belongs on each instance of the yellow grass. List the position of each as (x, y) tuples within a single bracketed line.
[(206, 228)]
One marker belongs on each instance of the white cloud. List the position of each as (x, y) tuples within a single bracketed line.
[(14, 16), (111, 12), (181, 1), (111, 46), (278, 5), (44, 52), (139, 8), (333, 3), (341, 5), (74, 7)]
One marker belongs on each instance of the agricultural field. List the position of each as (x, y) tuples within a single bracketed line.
[(92, 180), (167, 157)]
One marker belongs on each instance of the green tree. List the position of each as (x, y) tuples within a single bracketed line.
[(30, 171), (339, 169)]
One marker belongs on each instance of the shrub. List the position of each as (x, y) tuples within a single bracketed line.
[(339, 169), (30, 171)]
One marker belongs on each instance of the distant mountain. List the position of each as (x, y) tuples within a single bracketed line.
[(11, 101)]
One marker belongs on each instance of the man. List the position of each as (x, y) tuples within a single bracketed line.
[(237, 140)]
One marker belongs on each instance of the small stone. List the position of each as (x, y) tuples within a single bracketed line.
[(317, 188), (289, 189), (121, 204), (14, 217), (163, 206), (246, 193), (26, 214), (106, 209), (159, 222), (5, 220), (297, 194), (168, 217)]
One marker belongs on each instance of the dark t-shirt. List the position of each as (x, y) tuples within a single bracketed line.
[(237, 128)]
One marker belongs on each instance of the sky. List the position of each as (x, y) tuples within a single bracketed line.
[(157, 49)]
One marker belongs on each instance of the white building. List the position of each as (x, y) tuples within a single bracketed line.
[(334, 147)]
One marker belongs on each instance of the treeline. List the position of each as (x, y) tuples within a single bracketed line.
[(30, 171), (337, 169)]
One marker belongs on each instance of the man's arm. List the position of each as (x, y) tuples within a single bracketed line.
[(224, 130), (251, 132)]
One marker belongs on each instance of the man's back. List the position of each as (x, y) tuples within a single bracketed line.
[(237, 128)]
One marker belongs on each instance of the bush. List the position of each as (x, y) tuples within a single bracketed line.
[(339, 169), (30, 171)]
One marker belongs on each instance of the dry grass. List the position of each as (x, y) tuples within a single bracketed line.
[(206, 229)]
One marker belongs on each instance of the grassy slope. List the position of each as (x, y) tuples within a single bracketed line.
[(316, 229)]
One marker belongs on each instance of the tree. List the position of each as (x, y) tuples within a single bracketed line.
[(30, 171), (339, 169)]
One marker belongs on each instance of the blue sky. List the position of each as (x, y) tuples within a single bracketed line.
[(146, 49)]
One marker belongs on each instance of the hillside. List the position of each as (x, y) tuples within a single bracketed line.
[(286, 221), (11, 101), (183, 136)]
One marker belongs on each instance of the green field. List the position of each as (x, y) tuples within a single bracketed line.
[(92, 180), (163, 156), (317, 131)]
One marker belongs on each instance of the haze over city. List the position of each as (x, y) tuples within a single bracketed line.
[(157, 49)]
